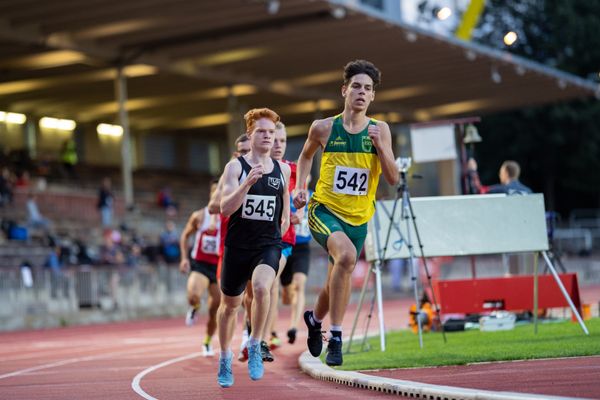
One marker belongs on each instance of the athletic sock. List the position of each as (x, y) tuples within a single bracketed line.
[(313, 319), (336, 334), (252, 341), (207, 339), (226, 354)]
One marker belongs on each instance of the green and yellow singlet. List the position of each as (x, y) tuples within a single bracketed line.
[(350, 170)]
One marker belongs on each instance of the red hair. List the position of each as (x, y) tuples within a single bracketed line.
[(257, 113)]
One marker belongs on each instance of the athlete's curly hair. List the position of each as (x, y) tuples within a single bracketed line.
[(257, 113), (361, 67)]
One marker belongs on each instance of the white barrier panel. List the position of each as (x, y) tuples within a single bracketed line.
[(461, 225)]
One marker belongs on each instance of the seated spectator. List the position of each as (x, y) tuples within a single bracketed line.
[(23, 180), (110, 252), (6, 187), (169, 243), (165, 200), (82, 251), (35, 218)]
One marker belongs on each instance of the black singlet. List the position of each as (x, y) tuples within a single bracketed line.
[(257, 223)]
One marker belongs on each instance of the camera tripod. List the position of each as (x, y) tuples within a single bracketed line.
[(407, 214)]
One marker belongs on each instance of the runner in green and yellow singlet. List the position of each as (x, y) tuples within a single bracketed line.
[(356, 150)]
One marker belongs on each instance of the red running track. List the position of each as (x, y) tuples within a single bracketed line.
[(103, 361)]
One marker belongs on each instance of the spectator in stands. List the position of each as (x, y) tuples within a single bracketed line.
[(133, 255), (110, 252), (69, 158), (84, 256), (23, 180), (36, 220), (6, 187), (54, 261), (57, 279), (165, 200), (169, 243), (106, 202), (509, 179), (43, 167)]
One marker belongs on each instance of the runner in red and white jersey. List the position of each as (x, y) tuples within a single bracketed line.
[(202, 267)]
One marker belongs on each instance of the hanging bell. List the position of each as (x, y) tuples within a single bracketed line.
[(471, 135)]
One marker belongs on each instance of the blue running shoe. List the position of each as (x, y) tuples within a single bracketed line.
[(255, 362), (225, 376)]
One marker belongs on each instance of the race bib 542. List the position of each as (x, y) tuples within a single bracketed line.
[(353, 181)]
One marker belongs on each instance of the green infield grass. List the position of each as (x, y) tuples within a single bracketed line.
[(554, 339)]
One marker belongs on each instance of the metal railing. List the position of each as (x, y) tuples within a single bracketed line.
[(88, 294)]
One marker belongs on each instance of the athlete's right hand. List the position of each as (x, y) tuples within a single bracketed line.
[(255, 174), (184, 266), (300, 198)]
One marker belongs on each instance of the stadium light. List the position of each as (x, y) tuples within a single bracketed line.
[(59, 124), (510, 38), (109, 130), (13, 118), (443, 13)]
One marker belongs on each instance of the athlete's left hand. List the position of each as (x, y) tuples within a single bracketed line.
[(294, 219), (375, 135), (300, 198)]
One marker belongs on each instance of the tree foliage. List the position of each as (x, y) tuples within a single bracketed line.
[(558, 146)]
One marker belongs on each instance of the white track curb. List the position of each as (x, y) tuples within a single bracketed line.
[(316, 369)]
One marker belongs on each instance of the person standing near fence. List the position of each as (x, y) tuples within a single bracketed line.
[(509, 174), (106, 201)]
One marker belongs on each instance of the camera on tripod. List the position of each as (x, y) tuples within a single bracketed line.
[(403, 163)]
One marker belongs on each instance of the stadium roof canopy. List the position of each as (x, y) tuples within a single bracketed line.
[(190, 62)]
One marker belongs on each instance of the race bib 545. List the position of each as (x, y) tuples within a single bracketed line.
[(258, 207)]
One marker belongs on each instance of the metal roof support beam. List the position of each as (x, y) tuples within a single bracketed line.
[(33, 34), (126, 162), (236, 125)]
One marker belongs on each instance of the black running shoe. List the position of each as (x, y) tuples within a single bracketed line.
[(315, 340), (291, 335), (334, 352), (266, 352)]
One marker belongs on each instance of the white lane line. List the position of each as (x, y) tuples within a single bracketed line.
[(79, 359), (47, 349), (135, 383)]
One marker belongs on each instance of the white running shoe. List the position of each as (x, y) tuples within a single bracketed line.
[(191, 317), (207, 350)]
